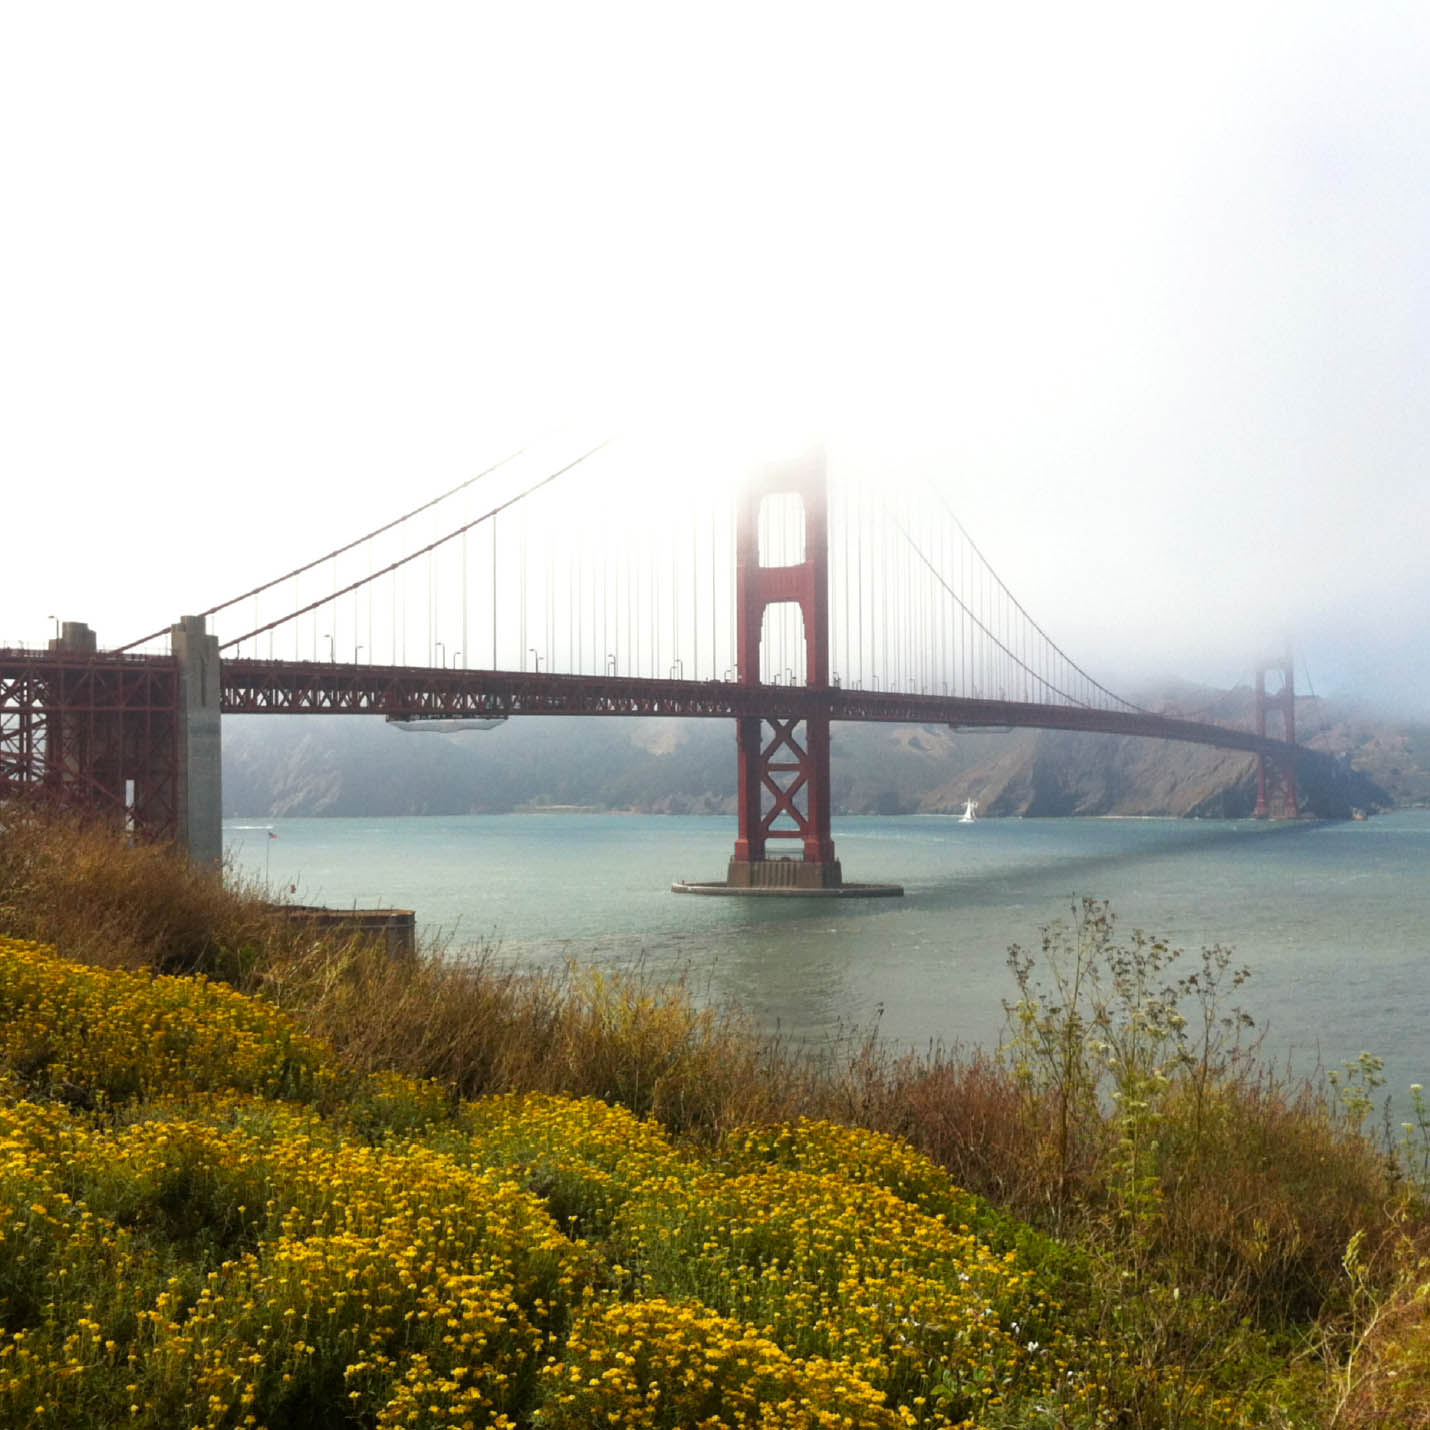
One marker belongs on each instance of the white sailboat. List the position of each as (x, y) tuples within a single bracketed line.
[(970, 808)]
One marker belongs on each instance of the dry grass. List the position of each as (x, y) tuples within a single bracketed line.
[(481, 1028), (964, 1110), (1380, 1373), (134, 905), (1263, 1193)]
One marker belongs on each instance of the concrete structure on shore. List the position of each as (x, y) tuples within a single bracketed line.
[(200, 753), (392, 930)]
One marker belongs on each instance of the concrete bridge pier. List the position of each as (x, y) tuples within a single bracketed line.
[(200, 762)]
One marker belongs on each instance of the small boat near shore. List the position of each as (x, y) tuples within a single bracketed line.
[(970, 812)]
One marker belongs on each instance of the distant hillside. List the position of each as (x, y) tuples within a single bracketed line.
[(276, 765)]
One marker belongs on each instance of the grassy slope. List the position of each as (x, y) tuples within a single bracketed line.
[(1175, 1258)]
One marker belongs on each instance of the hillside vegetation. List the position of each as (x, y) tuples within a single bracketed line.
[(248, 1179), (348, 765)]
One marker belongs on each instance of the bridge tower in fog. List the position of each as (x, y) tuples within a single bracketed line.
[(1276, 697), (784, 763)]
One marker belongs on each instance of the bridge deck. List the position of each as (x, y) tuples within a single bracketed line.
[(276, 687), (317, 687)]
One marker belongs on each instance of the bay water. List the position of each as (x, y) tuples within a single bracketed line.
[(1332, 918)]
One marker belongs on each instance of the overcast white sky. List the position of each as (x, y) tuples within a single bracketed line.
[(1146, 288)]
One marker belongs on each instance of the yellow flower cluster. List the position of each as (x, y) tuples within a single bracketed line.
[(108, 1034), (826, 1266), (377, 1278), (386, 1103), (583, 1156), (379, 1325), (857, 1155), (657, 1364)]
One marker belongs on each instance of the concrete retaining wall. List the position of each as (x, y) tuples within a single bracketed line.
[(394, 930)]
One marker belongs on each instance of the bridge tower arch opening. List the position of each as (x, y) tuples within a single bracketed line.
[(784, 651)]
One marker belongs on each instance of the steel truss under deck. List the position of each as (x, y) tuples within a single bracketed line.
[(96, 733)]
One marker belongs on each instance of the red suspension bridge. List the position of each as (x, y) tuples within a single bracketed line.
[(784, 602)]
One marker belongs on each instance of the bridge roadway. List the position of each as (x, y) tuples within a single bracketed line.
[(141, 734), (137, 683), (278, 687)]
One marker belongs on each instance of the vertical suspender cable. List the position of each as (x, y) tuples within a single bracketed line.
[(714, 594), (859, 576), (674, 594)]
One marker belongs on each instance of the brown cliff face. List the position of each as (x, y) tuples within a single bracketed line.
[(1042, 773), (1052, 772)]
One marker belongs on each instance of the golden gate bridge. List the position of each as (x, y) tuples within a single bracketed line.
[(784, 601)]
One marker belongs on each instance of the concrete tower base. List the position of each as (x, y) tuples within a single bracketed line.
[(791, 891), (789, 878)]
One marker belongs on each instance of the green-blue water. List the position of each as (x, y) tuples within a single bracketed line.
[(1332, 918)]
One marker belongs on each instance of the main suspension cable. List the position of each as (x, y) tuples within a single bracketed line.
[(992, 636), (1018, 606), (339, 551), (422, 551)]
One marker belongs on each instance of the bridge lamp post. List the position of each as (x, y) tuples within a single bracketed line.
[(357, 651), (442, 649), (531, 650), (332, 653), (610, 664), (677, 671), (456, 656)]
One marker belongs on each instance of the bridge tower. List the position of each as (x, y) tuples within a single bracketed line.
[(1278, 699), (784, 774)]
